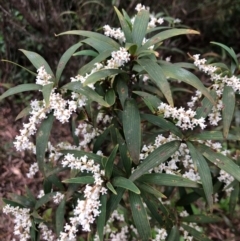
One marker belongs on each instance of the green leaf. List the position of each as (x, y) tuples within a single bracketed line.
[(110, 97), (140, 216), (132, 129), (101, 219), (125, 27), (200, 218), (37, 61), (234, 197), (162, 123), (157, 76), (47, 90), (165, 35), (204, 172), (155, 158), (43, 200), (101, 74), (98, 45), (88, 92), (19, 89), (110, 162), (42, 141), (100, 139), (174, 234), (140, 27), (230, 51), (221, 161), (164, 179), (23, 113), (228, 100), (125, 183), (149, 189), (12, 203), (197, 235), (122, 89), (60, 212), (24, 201), (111, 188), (113, 45), (54, 179), (177, 73), (64, 59), (80, 180), (86, 53)]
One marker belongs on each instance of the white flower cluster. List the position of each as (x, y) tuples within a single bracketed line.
[(227, 179), (22, 221), (161, 234), (186, 235), (46, 233), (86, 210), (40, 194), (116, 33), (43, 77), (185, 119), (33, 170), (140, 7), (58, 197)]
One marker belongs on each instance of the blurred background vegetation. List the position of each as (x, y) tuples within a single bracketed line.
[(32, 25)]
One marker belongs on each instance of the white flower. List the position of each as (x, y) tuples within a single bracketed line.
[(58, 197), (43, 77), (32, 170)]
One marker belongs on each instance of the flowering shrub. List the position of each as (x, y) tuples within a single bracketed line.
[(136, 162)]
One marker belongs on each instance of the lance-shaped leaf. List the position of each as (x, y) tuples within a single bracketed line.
[(43, 200), (101, 74), (164, 179), (174, 234), (132, 129), (155, 158), (12, 203), (23, 113), (110, 97), (200, 218), (47, 90), (215, 135), (228, 100), (165, 35), (221, 161), (101, 138), (112, 44), (86, 53), (19, 89), (98, 45), (42, 140), (80, 180), (234, 197), (140, 27), (162, 123), (122, 89), (204, 172), (110, 162), (149, 189), (125, 183), (140, 218), (37, 61), (60, 216), (157, 76), (125, 27), (111, 188), (196, 234), (64, 59), (177, 73), (88, 92), (101, 219)]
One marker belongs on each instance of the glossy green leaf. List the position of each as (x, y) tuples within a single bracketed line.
[(204, 172), (215, 135), (101, 74), (200, 218), (42, 141), (221, 161), (177, 73), (196, 234), (164, 179), (47, 90), (98, 45), (124, 25), (140, 27), (165, 35), (19, 89), (149, 189), (45, 199), (228, 100), (162, 123), (23, 113), (111, 188), (64, 59), (12, 203), (110, 97), (37, 61), (80, 180), (125, 183), (174, 234), (88, 92), (54, 179), (122, 89), (23, 200), (101, 219), (155, 158), (132, 129), (33, 231), (140, 218), (112, 44), (157, 76), (234, 197), (230, 51), (86, 53), (60, 212), (110, 162)]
